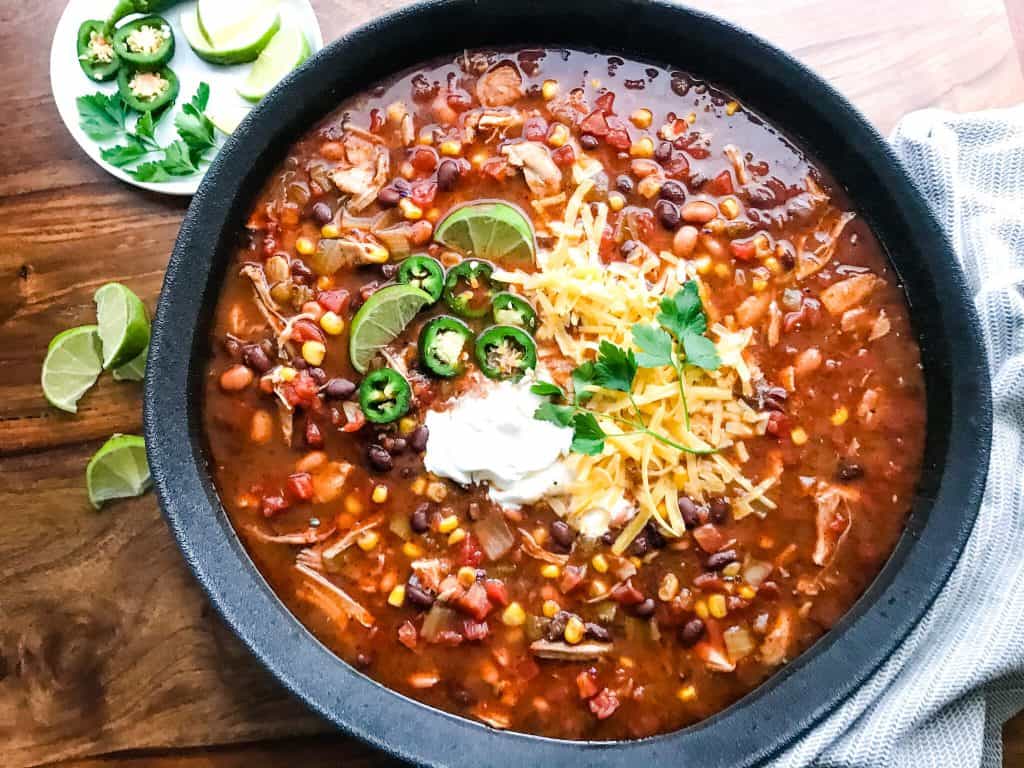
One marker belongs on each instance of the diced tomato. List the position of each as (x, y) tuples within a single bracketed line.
[(618, 138), (356, 419), (475, 630), (564, 156), (586, 681), (535, 129), (709, 538), (496, 168), (335, 300), (474, 602), (314, 437), (271, 505), (300, 485), (677, 166), (595, 124), (423, 192), (572, 575), (497, 592), (776, 424), (306, 330), (626, 593), (606, 102), (470, 553), (721, 184), (407, 635), (745, 250), (604, 704), (423, 159)]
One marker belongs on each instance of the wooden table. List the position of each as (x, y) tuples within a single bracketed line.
[(109, 653)]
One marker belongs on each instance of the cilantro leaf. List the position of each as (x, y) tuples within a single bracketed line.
[(582, 377), (101, 116), (560, 415), (655, 346), (178, 160), (145, 130), (201, 98), (152, 171), (615, 368), (683, 312), (125, 154), (547, 389), (700, 351), (194, 127), (588, 437)]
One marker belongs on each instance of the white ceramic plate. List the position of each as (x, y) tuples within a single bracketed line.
[(69, 82)]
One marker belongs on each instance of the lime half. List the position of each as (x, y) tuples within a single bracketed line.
[(223, 21), (118, 470), (73, 361), (134, 369), (248, 40), (492, 231), (123, 324), (379, 321), (287, 50)]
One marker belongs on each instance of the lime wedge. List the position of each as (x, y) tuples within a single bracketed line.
[(379, 321), (134, 369), (227, 117), (118, 470), (123, 323), (492, 231), (251, 38), (222, 21), (287, 50), (73, 361)]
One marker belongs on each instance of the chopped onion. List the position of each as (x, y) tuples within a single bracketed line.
[(738, 643), (756, 572), (495, 536), (437, 620), (400, 526)]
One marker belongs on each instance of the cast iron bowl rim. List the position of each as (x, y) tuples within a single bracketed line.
[(755, 728)]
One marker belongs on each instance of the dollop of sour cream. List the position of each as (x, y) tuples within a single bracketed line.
[(493, 437)]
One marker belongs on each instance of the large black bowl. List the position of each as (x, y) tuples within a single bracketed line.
[(792, 98)]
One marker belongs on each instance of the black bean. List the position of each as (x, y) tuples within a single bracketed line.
[(688, 509), (849, 471), (673, 191), (254, 356), (624, 184), (608, 538), (339, 389), (301, 273), (720, 509), (447, 175), (319, 375), (555, 629), (640, 545), (597, 632), (379, 459), (691, 632), (389, 197), (419, 520), (663, 152), (561, 534), (668, 214), (299, 364), (417, 596), (645, 608), (721, 559), (654, 537), (587, 141), (418, 438), (628, 247), (322, 212)]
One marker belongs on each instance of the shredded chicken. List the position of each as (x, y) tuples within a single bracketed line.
[(542, 175), (501, 86), (775, 648), (309, 536), (867, 408), (848, 293), (739, 167), (494, 120), (774, 324), (264, 301), (344, 600), (714, 658), (365, 171), (536, 551), (809, 262), (351, 536), (832, 520)]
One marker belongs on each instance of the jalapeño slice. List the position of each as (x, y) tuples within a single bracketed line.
[(509, 309), (425, 273), (468, 288), (442, 343), (96, 54), (146, 43), (147, 91), (505, 352), (384, 396)]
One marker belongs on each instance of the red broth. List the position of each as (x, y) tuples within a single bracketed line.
[(558, 633)]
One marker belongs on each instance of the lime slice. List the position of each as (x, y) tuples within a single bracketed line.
[(134, 369), (123, 322), (73, 361), (223, 21), (245, 46), (379, 321), (118, 470), (492, 231), (287, 50)]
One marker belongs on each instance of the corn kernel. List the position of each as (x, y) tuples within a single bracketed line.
[(798, 436), (407, 425), (729, 207), (703, 264), (437, 491), (397, 596), (558, 135), (412, 550), (419, 485), (466, 576), (723, 271), (286, 373), (598, 588), (600, 563), (549, 89), (747, 592), (513, 615), (540, 535), (426, 138), (456, 536), (550, 571), (649, 186), (478, 160), (691, 118), (773, 264), (643, 147), (616, 201), (450, 148), (574, 630), (550, 608), (731, 107), (313, 352), (332, 323), (448, 524), (409, 209), (595, 83), (732, 569), (687, 693), (641, 118), (330, 230), (377, 254), (717, 606), (368, 540), (305, 246), (840, 416), (324, 282), (380, 494), (701, 609), (353, 505), (758, 284)]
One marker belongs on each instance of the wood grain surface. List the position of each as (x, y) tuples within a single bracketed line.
[(109, 653)]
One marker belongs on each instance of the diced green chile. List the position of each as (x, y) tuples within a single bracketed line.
[(145, 60), (442, 343), (425, 273), (505, 352), (384, 396), (164, 99), (468, 288), (509, 309), (94, 67)]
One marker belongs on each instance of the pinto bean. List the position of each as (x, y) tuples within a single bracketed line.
[(236, 378), (698, 212)]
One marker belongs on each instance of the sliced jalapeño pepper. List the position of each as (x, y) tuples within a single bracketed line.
[(147, 91), (442, 343), (505, 352), (96, 54), (509, 309), (468, 288), (425, 273), (146, 43), (128, 7), (384, 396)]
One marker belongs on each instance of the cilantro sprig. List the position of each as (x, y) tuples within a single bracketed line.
[(104, 117), (677, 341)]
